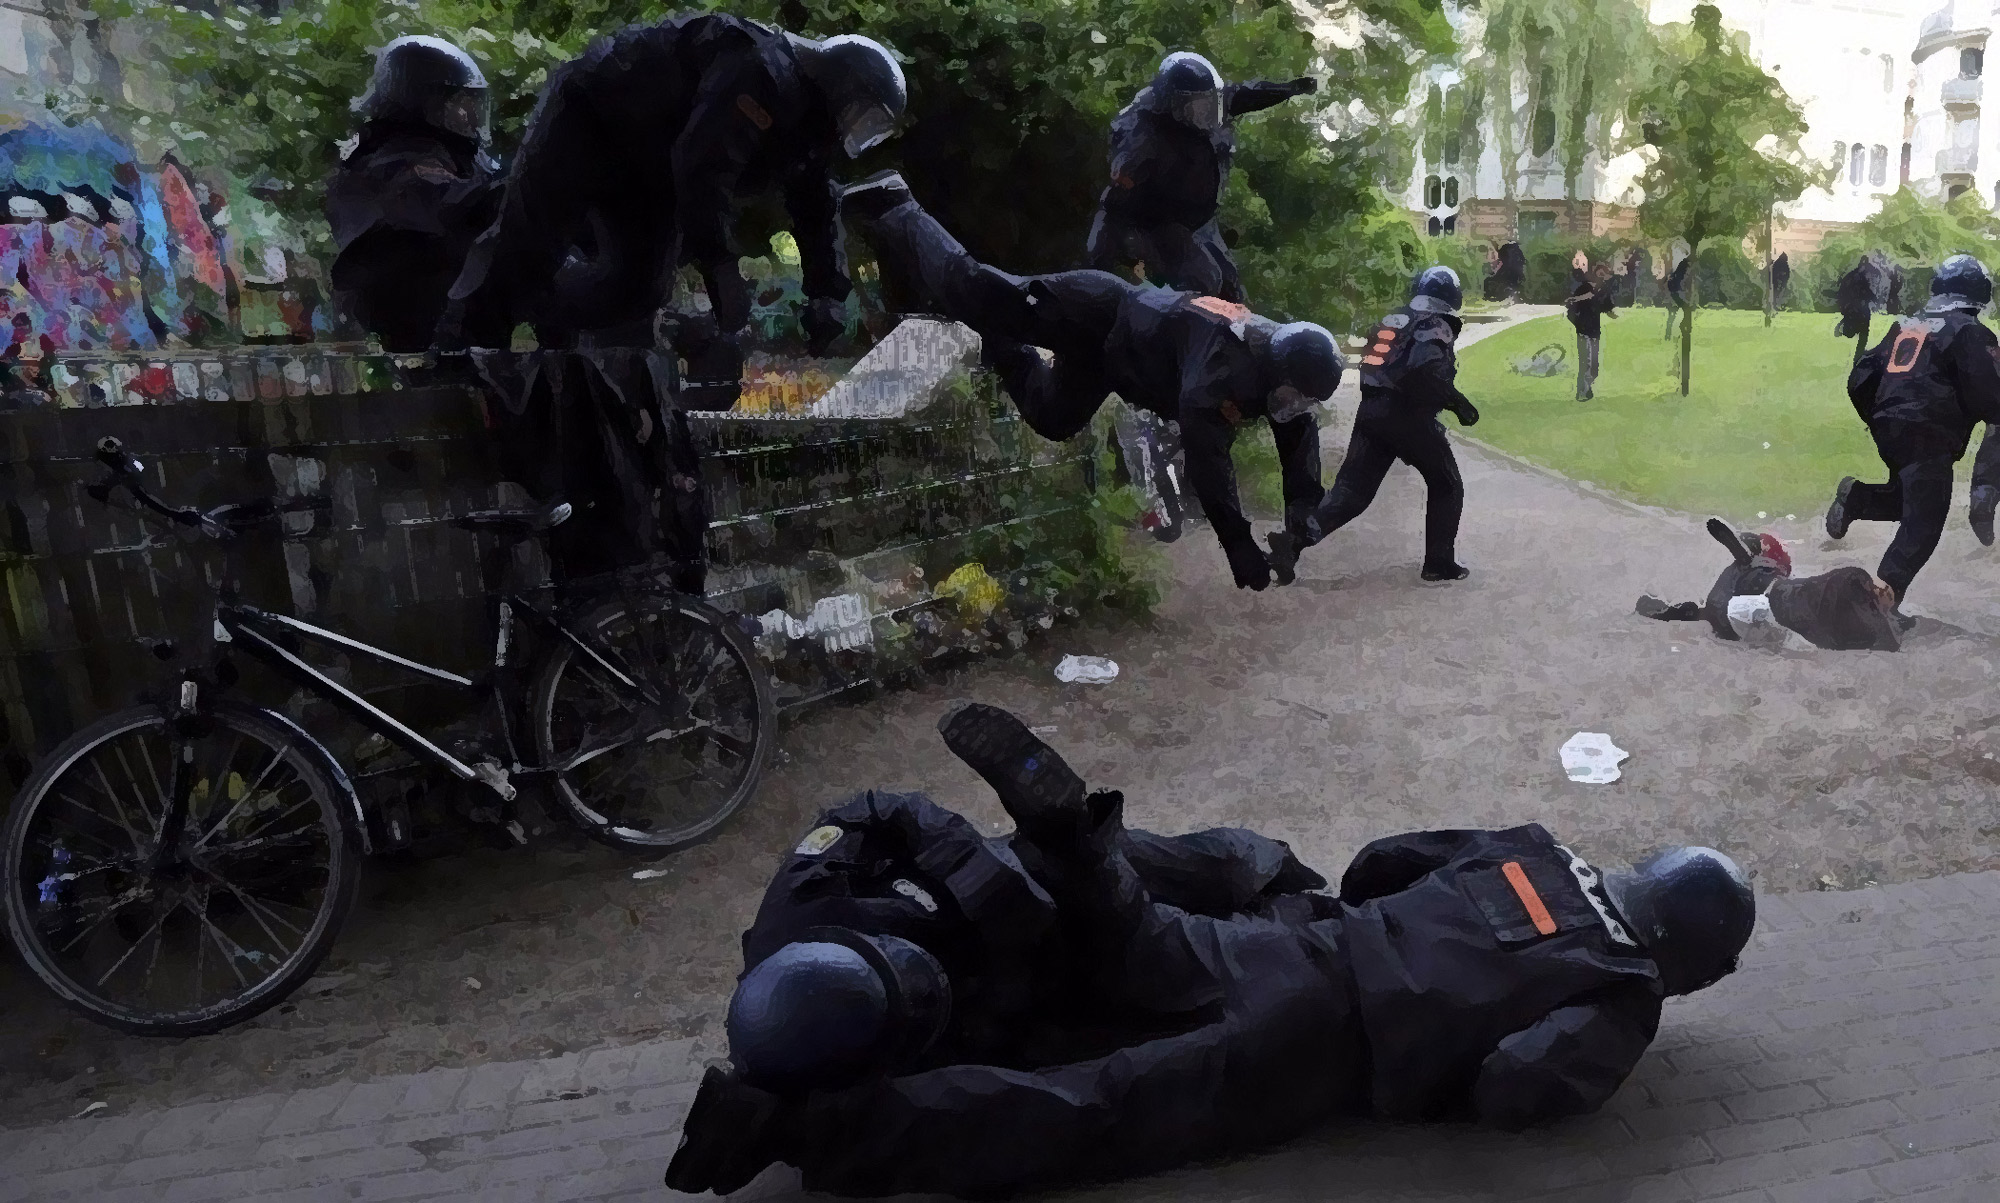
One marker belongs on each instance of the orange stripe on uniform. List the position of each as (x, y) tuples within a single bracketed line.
[(1518, 878)]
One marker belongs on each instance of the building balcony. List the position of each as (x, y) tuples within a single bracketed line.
[(1942, 28), (1962, 93)]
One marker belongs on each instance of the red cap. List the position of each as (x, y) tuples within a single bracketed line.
[(1775, 551)]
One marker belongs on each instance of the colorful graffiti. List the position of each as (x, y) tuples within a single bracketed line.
[(98, 253)]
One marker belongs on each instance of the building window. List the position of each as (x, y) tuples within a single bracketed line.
[(1957, 190), (1971, 62), (1888, 73), (1451, 224), (1451, 193), (1906, 163), (1437, 227), (1856, 164), (1433, 192), (1878, 166)]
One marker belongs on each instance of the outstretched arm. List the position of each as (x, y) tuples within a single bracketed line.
[(731, 115), (1255, 95), (814, 209)]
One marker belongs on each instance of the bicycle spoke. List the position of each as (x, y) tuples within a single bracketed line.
[(139, 791), (154, 930), (277, 757), (228, 948), (104, 819), (125, 820), (153, 774), (259, 911), (112, 908), (253, 837)]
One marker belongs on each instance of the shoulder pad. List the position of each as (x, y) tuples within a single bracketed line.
[(1396, 321), (1433, 331)]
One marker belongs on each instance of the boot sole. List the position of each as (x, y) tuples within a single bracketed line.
[(1033, 782)]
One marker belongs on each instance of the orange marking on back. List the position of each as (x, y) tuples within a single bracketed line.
[(1518, 878)]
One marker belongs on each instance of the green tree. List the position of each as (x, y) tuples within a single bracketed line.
[(1576, 64), (1010, 104), (1726, 148)]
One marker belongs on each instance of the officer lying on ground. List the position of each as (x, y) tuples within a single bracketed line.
[(1200, 361), (1408, 377), (641, 149), (1757, 598), (1493, 973), (1921, 390), (885, 875), (1170, 155), (411, 195)]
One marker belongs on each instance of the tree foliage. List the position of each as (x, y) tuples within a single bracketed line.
[(1010, 104), (1725, 141)]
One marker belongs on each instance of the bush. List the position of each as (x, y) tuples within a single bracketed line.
[(1917, 234)]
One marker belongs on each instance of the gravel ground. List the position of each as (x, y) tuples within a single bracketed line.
[(1355, 704)]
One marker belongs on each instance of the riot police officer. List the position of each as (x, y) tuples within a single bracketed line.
[(1873, 285), (413, 192), (1491, 974), (640, 150), (1208, 364), (899, 867), (1170, 155), (1921, 390), (1408, 377)]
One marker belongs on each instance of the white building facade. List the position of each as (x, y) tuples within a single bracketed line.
[(1892, 90)]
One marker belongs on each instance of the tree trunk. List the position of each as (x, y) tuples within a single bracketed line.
[(1770, 268), (1687, 319)]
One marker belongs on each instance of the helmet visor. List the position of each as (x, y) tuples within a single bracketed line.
[(462, 111), (865, 125), (1202, 110)]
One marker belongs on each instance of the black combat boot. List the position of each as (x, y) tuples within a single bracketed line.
[(1837, 517), (1044, 796), (729, 1136)]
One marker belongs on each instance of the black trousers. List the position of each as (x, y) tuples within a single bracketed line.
[(1373, 448), (1274, 1045), (1917, 497), (1175, 256), (1986, 464), (1071, 313)]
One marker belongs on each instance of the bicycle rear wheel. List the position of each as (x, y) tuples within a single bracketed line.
[(198, 936), (661, 772)]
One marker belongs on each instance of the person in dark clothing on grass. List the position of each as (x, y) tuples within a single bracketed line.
[(633, 163), (414, 191), (1509, 274), (1489, 974), (1677, 300), (1170, 155), (1408, 377), (1920, 391), (1205, 363), (1874, 285), (1757, 598), (1591, 298)]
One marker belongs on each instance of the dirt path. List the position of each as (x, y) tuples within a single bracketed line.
[(1354, 704)]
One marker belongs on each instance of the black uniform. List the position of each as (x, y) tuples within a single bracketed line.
[(1921, 390), (405, 206), (1167, 179), (1459, 972), (901, 865), (1180, 355), (639, 150), (1511, 275), (1408, 377)]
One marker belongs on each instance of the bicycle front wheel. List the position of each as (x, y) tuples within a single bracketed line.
[(659, 727), (184, 936)]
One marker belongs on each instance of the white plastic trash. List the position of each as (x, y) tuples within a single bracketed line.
[(1090, 670), (1591, 757)]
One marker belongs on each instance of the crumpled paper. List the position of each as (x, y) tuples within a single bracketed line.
[(1591, 758), (1090, 670)]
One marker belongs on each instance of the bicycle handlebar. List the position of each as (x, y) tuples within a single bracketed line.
[(222, 522)]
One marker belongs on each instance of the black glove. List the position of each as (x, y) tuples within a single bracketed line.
[(823, 319), (728, 295), (1468, 414), (1304, 85), (1248, 565)]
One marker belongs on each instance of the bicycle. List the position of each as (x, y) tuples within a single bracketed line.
[(180, 866)]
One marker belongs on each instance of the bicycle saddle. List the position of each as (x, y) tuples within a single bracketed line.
[(516, 524)]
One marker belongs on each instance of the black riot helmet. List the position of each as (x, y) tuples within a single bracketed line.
[(835, 1007), (1692, 909), (863, 85), (431, 82), (1307, 364), (1436, 290), (1190, 88), (1961, 282)]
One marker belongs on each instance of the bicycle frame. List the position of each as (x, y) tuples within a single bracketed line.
[(253, 630)]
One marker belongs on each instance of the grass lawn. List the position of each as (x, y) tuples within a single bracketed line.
[(1766, 427)]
